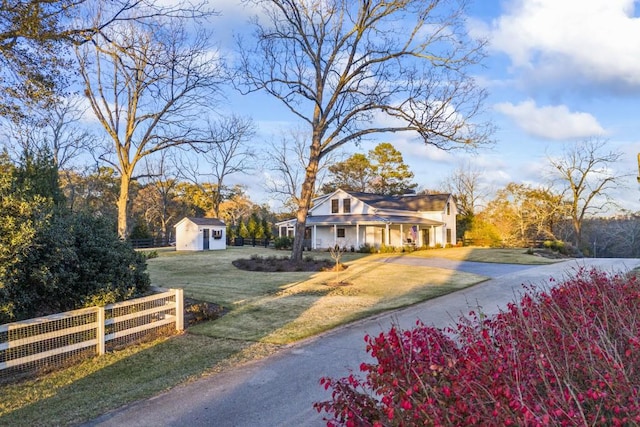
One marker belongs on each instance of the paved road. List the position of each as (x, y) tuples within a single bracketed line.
[(280, 390)]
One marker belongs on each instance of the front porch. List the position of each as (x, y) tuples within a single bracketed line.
[(351, 231)]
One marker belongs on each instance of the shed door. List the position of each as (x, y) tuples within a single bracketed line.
[(205, 239)]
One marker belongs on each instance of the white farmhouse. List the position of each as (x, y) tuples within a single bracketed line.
[(200, 234), (354, 219)]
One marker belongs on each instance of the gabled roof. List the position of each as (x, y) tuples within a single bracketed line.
[(409, 202), (203, 221), (363, 220)]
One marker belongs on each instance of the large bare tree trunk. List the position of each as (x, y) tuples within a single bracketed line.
[(304, 203), (123, 206)]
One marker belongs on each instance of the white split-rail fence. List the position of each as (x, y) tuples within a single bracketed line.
[(48, 342)]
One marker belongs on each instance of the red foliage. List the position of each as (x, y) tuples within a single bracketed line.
[(568, 356)]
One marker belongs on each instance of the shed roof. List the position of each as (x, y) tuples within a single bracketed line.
[(203, 221)]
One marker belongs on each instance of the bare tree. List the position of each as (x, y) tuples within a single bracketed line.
[(226, 155), (465, 182), (55, 130), (161, 183), (35, 36), (145, 85), (585, 176), (350, 70), (288, 159)]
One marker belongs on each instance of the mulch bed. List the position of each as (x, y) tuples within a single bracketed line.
[(284, 265)]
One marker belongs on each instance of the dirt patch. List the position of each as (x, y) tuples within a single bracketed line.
[(272, 264)]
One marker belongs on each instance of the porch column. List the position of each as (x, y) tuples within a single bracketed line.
[(314, 232), (419, 236), (387, 235), (432, 236), (357, 236), (401, 236), (335, 235)]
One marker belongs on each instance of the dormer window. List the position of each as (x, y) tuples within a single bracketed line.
[(334, 205), (346, 206)]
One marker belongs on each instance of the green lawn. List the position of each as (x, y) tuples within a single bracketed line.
[(267, 310)]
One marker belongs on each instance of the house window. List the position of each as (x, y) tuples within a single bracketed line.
[(448, 208), (334, 205), (340, 232), (448, 235), (216, 234), (346, 206)]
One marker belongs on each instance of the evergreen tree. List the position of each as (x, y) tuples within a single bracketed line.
[(243, 231), (392, 175), (383, 171), (354, 174)]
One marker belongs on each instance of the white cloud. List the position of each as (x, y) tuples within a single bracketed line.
[(552, 122), (595, 40)]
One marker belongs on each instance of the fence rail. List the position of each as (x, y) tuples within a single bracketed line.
[(151, 242), (53, 341), (249, 241)]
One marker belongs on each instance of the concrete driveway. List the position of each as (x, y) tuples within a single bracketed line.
[(280, 390)]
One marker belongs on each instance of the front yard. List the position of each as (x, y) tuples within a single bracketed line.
[(266, 311)]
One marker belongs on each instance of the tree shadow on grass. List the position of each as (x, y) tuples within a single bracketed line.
[(99, 385), (109, 382)]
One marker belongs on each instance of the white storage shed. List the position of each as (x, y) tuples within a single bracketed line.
[(200, 234)]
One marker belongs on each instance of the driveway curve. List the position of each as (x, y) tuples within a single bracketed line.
[(280, 390)]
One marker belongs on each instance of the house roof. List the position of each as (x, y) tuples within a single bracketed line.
[(409, 202), (399, 209), (364, 220), (203, 221)]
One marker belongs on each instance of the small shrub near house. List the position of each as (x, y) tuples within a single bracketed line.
[(367, 249), (283, 242), (569, 356), (556, 246)]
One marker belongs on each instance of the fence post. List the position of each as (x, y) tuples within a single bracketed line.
[(100, 331), (179, 309)]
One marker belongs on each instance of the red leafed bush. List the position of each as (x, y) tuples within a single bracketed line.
[(567, 356)]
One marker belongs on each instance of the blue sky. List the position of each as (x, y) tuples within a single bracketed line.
[(557, 72)]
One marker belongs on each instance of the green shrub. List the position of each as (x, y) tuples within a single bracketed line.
[(283, 242), (149, 254), (555, 245), (54, 260)]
